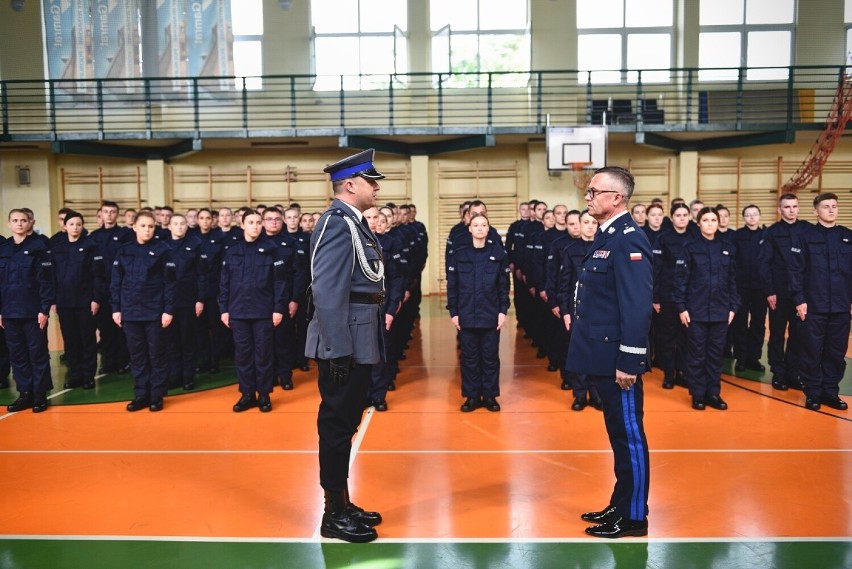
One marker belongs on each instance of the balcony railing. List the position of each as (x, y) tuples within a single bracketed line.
[(416, 104)]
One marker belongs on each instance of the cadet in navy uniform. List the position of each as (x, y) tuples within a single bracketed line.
[(478, 300), (252, 300), (750, 322), (821, 284), (79, 295), (774, 262), (609, 342), (344, 334), (5, 366), (190, 263), (143, 295), (27, 291), (211, 337), (707, 300)]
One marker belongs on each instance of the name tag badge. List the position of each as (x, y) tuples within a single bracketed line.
[(600, 254)]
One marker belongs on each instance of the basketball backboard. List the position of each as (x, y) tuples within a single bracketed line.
[(569, 147)]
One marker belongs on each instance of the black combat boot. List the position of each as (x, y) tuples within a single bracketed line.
[(338, 523)]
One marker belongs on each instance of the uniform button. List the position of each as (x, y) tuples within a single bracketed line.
[(594, 268), (606, 338)]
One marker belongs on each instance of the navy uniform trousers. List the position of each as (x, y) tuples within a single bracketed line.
[(81, 349), (480, 362), (749, 325), (338, 418), (146, 342), (784, 359), (30, 359), (253, 354), (824, 337), (624, 418), (704, 358), (671, 340), (182, 336)]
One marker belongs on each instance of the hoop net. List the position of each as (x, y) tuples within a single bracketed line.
[(582, 174)]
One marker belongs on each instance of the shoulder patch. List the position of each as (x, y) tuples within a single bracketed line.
[(629, 229)]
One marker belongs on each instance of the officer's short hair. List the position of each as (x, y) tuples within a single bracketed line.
[(749, 206), (622, 177), (14, 211), (695, 201), (720, 207), (822, 197), (788, 196), (108, 203), (167, 208), (207, 209)]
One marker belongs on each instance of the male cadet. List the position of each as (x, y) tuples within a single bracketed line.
[(821, 284), (774, 262), (750, 322), (609, 342), (344, 335)]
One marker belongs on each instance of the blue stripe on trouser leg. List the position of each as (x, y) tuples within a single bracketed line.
[(637, 458)]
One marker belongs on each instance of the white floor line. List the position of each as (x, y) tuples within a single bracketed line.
[(424, 452), (57, 394), (427, 540), (356, 445)]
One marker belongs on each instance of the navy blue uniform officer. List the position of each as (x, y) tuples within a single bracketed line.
[(27, 291), (344, 335), (252, 299), (142, 292), (609, 342)]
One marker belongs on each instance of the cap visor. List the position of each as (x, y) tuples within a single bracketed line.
[(372, 174)]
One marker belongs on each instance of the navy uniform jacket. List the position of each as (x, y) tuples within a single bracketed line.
[(396, 274), (213, 249), (110, 241), (652, 234), (667, 251), (190, 270), (705, 280), (541, 251), (80, 273), (553, 268), (514, 238), (300, 243), (27, 281), (612, 314), (478, 285), (821, 269), (747, 245), (288, 251), (340, 327), (774, 259), (570, 264), (142, 287), (254, 281)]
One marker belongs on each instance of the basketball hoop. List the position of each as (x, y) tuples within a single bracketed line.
[(582, 174)]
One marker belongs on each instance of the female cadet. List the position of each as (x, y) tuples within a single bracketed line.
[(142, 293), (572, 259), (478, 299), (384, 373), (707, 300), (252, 299), (27, 291), (654, 222), (190, 283), (79, 293), (671, 335), (213, 335)]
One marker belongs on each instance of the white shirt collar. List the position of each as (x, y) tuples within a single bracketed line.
[(357, 212), (611, 220)]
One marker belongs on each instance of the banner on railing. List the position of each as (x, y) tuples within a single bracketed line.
[(209, 41), (67, 27), (115, 41), (171, 46)]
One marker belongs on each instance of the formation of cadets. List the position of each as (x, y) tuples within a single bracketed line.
[(713, 289), (167, 295)]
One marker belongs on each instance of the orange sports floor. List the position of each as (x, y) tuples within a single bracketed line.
[(765, 469)]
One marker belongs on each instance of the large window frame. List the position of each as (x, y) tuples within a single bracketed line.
[(361, 77), (623, 73), (744, 29), (473, 73), (248, 47), (847, 18)]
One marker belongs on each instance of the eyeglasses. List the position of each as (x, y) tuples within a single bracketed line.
[(273, 219), (593, 192)]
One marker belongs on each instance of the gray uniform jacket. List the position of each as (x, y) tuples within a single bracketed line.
[(340, 327)]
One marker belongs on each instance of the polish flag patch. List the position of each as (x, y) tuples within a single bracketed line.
[(635, 256)]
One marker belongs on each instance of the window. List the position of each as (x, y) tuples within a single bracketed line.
[(847, 17), (625, 34), (358, 44), (757, 34), (247, 26), (480, 36)]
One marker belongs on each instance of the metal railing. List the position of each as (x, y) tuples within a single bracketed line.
[(417, 104)]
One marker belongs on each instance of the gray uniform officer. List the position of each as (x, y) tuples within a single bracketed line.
[(347, 287)]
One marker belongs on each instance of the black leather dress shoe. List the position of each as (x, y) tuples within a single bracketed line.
[(89, 384), (138, 404), (603, 516), (698, 404), (812, 404), (834, 402), (491, 404), (668, 382), (371, 519), (755, 366), (40, 403), (551, 367), (391, 386), (156, 405), (125, 368), (188, 385), (305, 367), (579, 404), (740, 366), (779, 385), (346, 527), (596, 403), (246, 402), (381, 405), (71, 384), (286, 384), (264, 403), (716, 402), (620, 527), (469, 405), (540, 355), (566, 386)]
